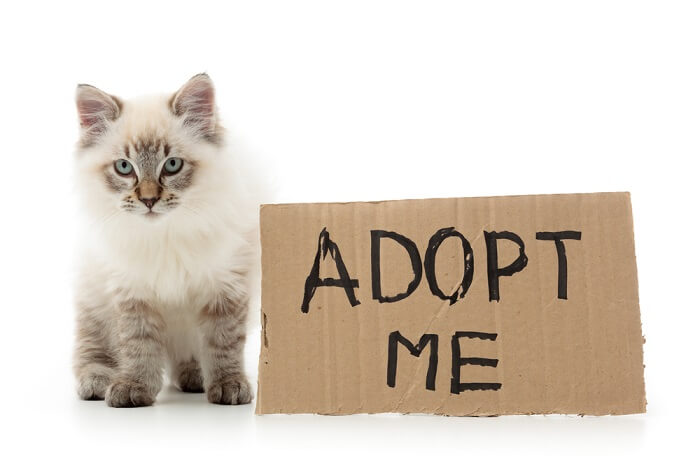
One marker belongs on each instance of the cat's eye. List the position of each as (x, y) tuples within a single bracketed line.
[(172, 165), (123, 167)]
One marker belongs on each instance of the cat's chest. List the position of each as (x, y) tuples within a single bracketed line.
[(174, 271)]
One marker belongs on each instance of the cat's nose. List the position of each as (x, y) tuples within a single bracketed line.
[(149, 201)]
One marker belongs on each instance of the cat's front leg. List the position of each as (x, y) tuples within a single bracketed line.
[(141, 356), (222, 324)]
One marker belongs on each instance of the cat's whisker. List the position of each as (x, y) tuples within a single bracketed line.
[(194, 212), (195, 203), (107, 220), (103, 220)]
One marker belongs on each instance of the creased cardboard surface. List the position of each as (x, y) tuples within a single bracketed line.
[(528, 351)]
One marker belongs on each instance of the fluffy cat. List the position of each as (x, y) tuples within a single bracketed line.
[(165, 258)]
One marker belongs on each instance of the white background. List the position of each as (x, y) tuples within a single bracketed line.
[(359, 101)]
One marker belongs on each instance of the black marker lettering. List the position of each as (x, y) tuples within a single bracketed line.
[(313, 281), (492, 260), (458, 361), (415, 350), (411, 249), (430, 253), (557, 237)]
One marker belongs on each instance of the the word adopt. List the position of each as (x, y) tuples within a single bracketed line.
[(494, 272)]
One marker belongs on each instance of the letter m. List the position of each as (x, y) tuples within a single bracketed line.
[(395, 338)]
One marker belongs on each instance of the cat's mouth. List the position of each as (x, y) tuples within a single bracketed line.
[(151, 214)]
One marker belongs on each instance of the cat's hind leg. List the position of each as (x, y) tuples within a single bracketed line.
[(187, 376), (182, 345), (94, 365), (93, 380)]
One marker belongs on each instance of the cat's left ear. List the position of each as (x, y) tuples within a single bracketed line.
[(195, 103)]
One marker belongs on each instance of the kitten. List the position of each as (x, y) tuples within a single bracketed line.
[(165, 259)]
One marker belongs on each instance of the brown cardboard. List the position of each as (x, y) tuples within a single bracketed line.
[(534, 352)]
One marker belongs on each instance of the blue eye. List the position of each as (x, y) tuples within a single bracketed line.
[(172, 165), (123, 167)]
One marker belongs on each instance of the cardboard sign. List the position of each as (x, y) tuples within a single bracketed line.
[(473, 306)]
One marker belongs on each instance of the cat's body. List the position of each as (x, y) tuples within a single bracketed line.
[(166, 252)]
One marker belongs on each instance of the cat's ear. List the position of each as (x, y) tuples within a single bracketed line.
[(96, 110), (195, 103)]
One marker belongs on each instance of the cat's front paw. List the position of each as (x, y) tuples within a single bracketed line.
[(232, 391), (128, 394)]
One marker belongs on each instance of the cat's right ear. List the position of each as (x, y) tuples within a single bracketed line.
[(96, 109)]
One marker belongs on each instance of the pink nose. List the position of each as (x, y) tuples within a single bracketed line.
[(149, 201)]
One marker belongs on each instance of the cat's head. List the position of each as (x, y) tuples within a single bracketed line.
[(148, 157)]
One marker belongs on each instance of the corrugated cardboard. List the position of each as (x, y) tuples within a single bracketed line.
[(525, 338)]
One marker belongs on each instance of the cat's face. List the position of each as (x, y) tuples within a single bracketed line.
[(147, 157), (150, 176)]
